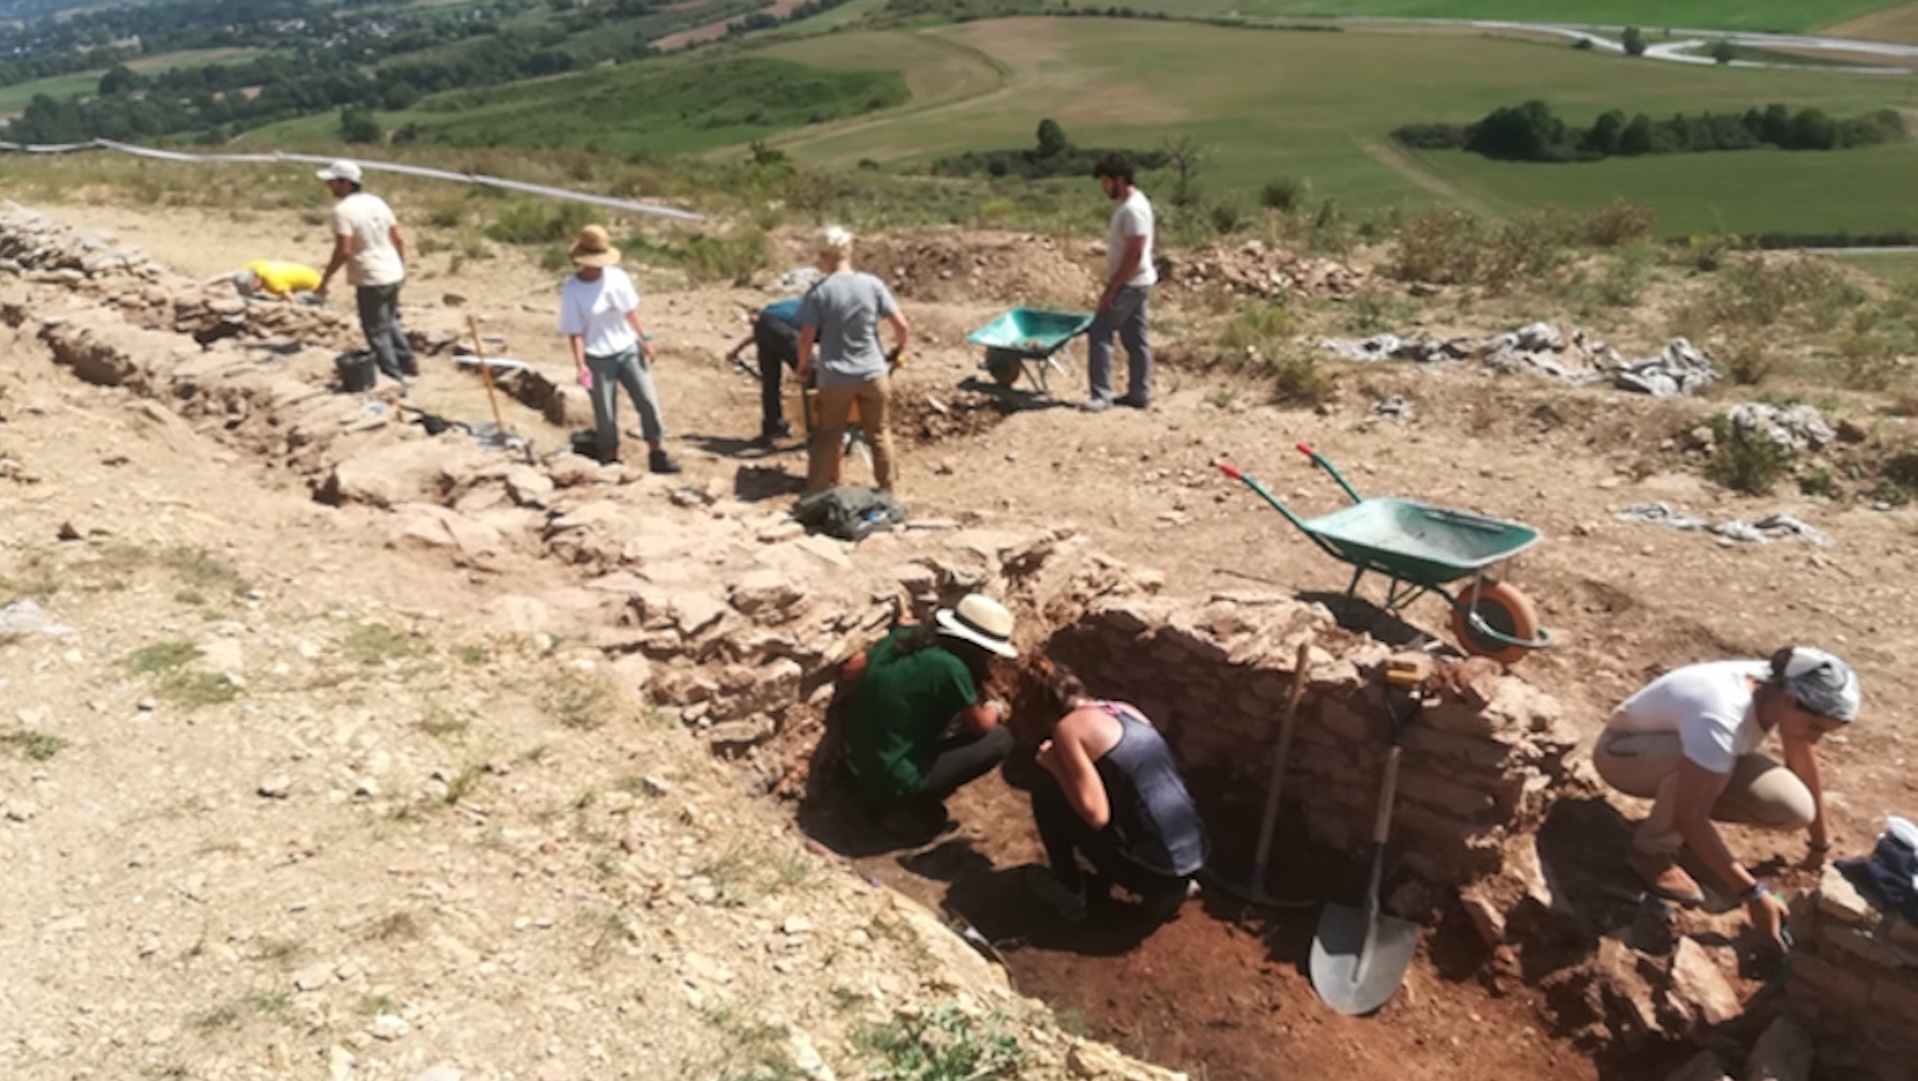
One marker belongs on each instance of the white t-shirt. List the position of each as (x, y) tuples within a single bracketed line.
[(369, 221), (1708, 705), (596, 311), (1133, 218)]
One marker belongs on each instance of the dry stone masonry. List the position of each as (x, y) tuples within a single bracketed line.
[(1483, 760), (1854, 980)]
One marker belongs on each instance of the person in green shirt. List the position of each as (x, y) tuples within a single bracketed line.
[(918, 721)]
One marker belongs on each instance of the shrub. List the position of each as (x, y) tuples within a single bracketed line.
[(732, 259), (1867, 360), (944, 1045), (531, 221), (1227, 217), (1746, 357), (1299, 379), (1440, 246), (1745, 461), (1622, 283), (1618, 222), (1287, 193)]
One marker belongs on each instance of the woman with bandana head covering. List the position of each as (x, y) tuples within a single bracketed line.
[(1689, 742)]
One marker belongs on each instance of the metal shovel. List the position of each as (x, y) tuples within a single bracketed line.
[(1253, 890), (1359, 957)]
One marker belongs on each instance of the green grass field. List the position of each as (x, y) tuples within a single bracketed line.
[(1319, 106), (1782, 15), (14, 98), (1897, 268)]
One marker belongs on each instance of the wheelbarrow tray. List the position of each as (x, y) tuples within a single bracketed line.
[(1032, 333), (1417, 542)]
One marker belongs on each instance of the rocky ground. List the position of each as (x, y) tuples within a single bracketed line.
[(373, 788)]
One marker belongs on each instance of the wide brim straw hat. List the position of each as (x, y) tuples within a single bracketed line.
[(980, 620), (593, 248)]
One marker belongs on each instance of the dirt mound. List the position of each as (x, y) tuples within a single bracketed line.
[(1257, 269), (923, 419), (1005, 268)]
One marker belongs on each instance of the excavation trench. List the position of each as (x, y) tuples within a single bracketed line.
[(1507, 981), (1532, 962)]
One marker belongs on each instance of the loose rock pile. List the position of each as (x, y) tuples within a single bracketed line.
[(1009, 268), (1256, 269), (1569, 356)]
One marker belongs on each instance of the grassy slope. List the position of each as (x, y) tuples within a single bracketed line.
[(14, 98), (1319, 105), (1786, 15), (659, 108)]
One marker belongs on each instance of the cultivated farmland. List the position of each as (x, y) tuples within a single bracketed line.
[(1318, 106)]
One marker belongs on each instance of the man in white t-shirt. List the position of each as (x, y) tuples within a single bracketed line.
[(1689, 742), (368, 243), (1130, 276)]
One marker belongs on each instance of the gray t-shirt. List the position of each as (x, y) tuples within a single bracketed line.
[(845, 310)]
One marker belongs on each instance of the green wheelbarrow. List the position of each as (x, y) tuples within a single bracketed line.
[(1422, 549), (1023, 341)]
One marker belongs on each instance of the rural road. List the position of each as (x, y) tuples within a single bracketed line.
[(1686, 46)]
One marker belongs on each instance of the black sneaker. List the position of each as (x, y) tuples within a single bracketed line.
[(917, 823), (659, 462)]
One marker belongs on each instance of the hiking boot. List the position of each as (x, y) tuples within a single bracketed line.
[(1131, 402), (659, 462), (1165, 904), (1095, 405), (1665, 878), (1069, 905)]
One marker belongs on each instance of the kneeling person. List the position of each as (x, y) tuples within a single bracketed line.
[(918, 724), (1112, 793), (1689, 742)]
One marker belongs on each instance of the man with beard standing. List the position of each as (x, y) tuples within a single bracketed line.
[(1130, 277)]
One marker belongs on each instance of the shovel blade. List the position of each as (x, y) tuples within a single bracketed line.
[(1358, 964)]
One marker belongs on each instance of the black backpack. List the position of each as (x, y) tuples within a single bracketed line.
[(849, 513)]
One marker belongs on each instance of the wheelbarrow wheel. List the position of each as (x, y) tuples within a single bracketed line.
[(1004, 366), (1505, 610)]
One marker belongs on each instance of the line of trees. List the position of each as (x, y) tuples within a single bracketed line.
[(1053, 155), (1533, 132)]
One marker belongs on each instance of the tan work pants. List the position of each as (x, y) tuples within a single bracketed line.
[(1645, 764), (828, 435)]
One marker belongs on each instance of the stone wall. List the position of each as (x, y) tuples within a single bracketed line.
[(1854, 982), (1483, 760)]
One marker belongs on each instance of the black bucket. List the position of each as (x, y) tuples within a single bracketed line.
[(357, 371)]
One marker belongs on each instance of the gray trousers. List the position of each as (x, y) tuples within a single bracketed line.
[(627, 370), (1127, 316), (380, 320)]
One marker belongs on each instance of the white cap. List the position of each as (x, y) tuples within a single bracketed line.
[(342, 170)]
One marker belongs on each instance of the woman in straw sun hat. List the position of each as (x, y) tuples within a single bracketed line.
[(919, 722), (599, 314), (1689, 742)]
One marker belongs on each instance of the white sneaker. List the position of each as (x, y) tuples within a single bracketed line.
[(1069, 905)]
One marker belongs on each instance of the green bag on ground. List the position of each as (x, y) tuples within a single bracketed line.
[(849, 513)]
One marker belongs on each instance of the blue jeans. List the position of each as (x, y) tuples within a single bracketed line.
[(609, 374), (380, 320), (1127, 317)]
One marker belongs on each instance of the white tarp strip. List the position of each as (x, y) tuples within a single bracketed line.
[(274, 157)]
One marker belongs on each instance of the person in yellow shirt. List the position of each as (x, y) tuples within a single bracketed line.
[(277, 279)]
